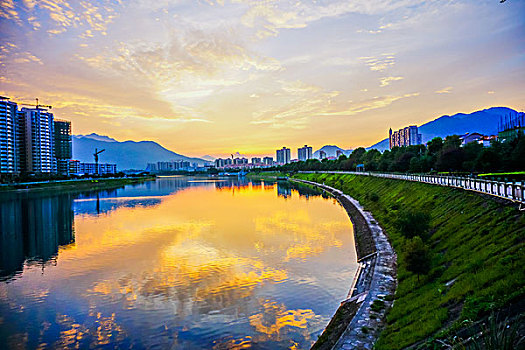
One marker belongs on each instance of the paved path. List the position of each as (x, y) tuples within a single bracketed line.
[(513, 191)]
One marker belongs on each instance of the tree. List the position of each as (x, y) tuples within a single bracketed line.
[(452, 141), (488, 160), (417, 257), (413, 223), (435, 145), (518, 154), (450, 159)]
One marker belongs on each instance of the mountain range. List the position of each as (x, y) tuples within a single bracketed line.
[(331, 151), (484, 122), (136, 155), (127, 154)]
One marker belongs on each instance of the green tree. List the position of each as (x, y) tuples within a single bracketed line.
[(435, 145), (452, 141), (488, 160), (413, 223), (518, 154), (417, 257)]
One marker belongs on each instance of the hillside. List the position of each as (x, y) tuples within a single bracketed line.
[(484, 121), (127, 154)]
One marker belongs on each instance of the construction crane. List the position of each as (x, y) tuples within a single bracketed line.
[(97, 152), (37, 105)]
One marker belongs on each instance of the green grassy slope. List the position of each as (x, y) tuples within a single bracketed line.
[(477, 247)]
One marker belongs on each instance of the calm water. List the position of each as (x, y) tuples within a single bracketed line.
[(182, 263)]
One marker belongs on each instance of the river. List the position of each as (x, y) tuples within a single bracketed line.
[(177, 263)]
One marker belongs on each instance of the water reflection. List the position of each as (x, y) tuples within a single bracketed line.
[(33, 229), (179, 262)]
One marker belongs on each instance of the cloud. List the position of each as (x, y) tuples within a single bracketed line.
[(446, 90), (292, 105), (8, 10), (387, 80), (270, 16), (371, 104), (379, 63)]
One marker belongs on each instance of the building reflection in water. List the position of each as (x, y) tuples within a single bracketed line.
[(225, 263), (33, 229)]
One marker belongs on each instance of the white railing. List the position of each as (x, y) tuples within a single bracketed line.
[(514, 191)]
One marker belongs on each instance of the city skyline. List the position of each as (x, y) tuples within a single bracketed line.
[(208, 78)]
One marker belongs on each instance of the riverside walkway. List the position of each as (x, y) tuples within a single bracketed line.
[(513, 191)]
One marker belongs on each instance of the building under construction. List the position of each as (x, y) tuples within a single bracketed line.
[(32, 141)]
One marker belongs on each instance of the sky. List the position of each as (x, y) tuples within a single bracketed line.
[(250, 76)]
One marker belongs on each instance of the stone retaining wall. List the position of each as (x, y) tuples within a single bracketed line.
[(376, 279)]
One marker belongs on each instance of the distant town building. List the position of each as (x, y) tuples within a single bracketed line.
[(74, 166), (322, 154), (283, 156), (304, 153), (240, 161), (268, 160), (407, 136), (256, 160), (151, 167), (484, 140), (8, 137), (36, 134), (228, 161), (91, 169), (511, 126), (63, 145)]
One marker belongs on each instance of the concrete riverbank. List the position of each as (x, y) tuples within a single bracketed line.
[(361, 316), (57, 185)]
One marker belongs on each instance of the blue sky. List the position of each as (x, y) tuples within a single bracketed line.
[(216, 77)]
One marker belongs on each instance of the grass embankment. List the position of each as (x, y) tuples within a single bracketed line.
[(101, 183), (265, 175), (477, 249)]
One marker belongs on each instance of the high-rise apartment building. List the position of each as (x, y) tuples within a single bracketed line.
[(407, 136), (240, 161), (283, 156), (36, 134), (268, 160), (304, 153), (63, 145), (8, 137), (256, 160)]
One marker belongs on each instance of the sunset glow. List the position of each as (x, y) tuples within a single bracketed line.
[(218, 77)]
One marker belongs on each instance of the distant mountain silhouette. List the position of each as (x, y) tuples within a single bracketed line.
[(331, 151), (484, 121), (208, 158), (127, 154)]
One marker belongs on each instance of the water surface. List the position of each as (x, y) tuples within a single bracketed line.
[(179, 262)]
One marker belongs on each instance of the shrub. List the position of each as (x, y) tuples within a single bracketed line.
[(417, 257), (373, 197), (413, 223), (377, 305)]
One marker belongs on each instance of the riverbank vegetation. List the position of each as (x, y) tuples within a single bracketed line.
[(472, 245), (84, 184), (438, 155)]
